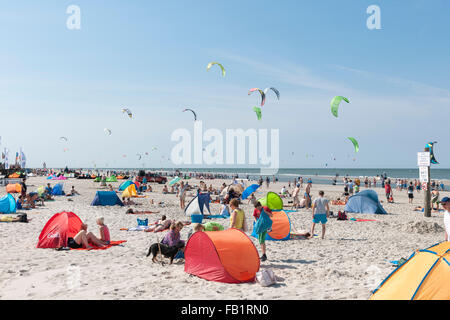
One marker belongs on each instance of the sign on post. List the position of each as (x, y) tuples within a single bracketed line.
[(423, 159), (423, 174)]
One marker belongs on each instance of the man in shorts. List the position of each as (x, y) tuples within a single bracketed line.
[(320, 213), (262, 236)]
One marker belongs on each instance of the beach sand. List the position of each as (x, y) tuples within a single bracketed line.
[(350, 262)]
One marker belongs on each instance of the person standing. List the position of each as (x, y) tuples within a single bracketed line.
[(295, 194), (183, 188), (410, 192), (445, 202), (259, 209), (388, 190), (320, 213), (308, 194)]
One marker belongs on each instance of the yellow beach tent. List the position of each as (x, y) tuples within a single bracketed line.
[(130, 192), (424, 276)]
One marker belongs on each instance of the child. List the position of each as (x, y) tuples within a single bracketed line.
[(104, 231), (320, 213), (262, 235)]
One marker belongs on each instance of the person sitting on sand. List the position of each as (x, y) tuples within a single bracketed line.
[(84, 239), (104, 231), (72, 192), (128, 202), (172, 190), (160, 225), (165, 190), (173, 238), (48, 191), (198, 227), (110, 187)]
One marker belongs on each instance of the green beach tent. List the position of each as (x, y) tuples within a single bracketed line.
[(272, 201)]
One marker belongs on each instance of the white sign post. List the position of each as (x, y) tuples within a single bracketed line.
[(423, 159), (423, 174)]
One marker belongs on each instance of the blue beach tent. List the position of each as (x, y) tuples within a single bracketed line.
[(58, 190), (126, 184), (364, 202), (106, 198), (7, 204)]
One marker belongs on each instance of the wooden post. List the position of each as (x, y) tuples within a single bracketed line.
[(427, 198)]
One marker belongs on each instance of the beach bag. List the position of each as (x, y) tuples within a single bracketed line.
[(264, 223), (142, 222), (342, 215), (266, 277)]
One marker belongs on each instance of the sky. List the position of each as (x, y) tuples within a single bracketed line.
[(151, 57)]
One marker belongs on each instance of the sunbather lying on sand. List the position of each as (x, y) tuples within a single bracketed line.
[(131, 211), (160, 225)]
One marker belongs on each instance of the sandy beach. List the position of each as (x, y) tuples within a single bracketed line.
[(350, 262)]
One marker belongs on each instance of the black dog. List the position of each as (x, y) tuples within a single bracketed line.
[(166, 251)]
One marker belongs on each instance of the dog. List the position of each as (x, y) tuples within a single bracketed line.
[(165, 250)]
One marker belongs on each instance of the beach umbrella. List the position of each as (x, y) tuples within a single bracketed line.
[(174, 180), (249, 190)]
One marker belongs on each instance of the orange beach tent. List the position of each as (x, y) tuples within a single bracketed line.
[(14, 188), (224, 256), (424, 276)]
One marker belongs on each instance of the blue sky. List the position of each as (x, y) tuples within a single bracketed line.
[(151, 57)]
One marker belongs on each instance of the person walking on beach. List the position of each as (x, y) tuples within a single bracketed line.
[(267, 182), (308, 194), (388, 190), (410, 192), (445, 202), (259, 210), (295, 194), (183, 188), (320, 213)]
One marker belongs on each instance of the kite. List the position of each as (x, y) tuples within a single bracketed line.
[(263, 95), (274, 90), (193, 112), (146, 153), (139, 156), (335, 104), (128, 111), (65, 149), (355, 143), (63, 138), (124, 155), (154, 148), (107, 131), (258, 112), (219, 64), (432, 158)]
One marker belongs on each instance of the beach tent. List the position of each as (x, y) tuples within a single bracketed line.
[(111, 179), (50, 177), (14, 188), (198, 204), (14, 175), (98, 179), (58, 229), (106, 198), (40, 190), (224, 256), (58, 189), (272, 201), (364, 202), (120, 177), (424, 276), (130, 192), (59, 178), (125, 185), (281, 227), (249, 190), (7, 204)]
